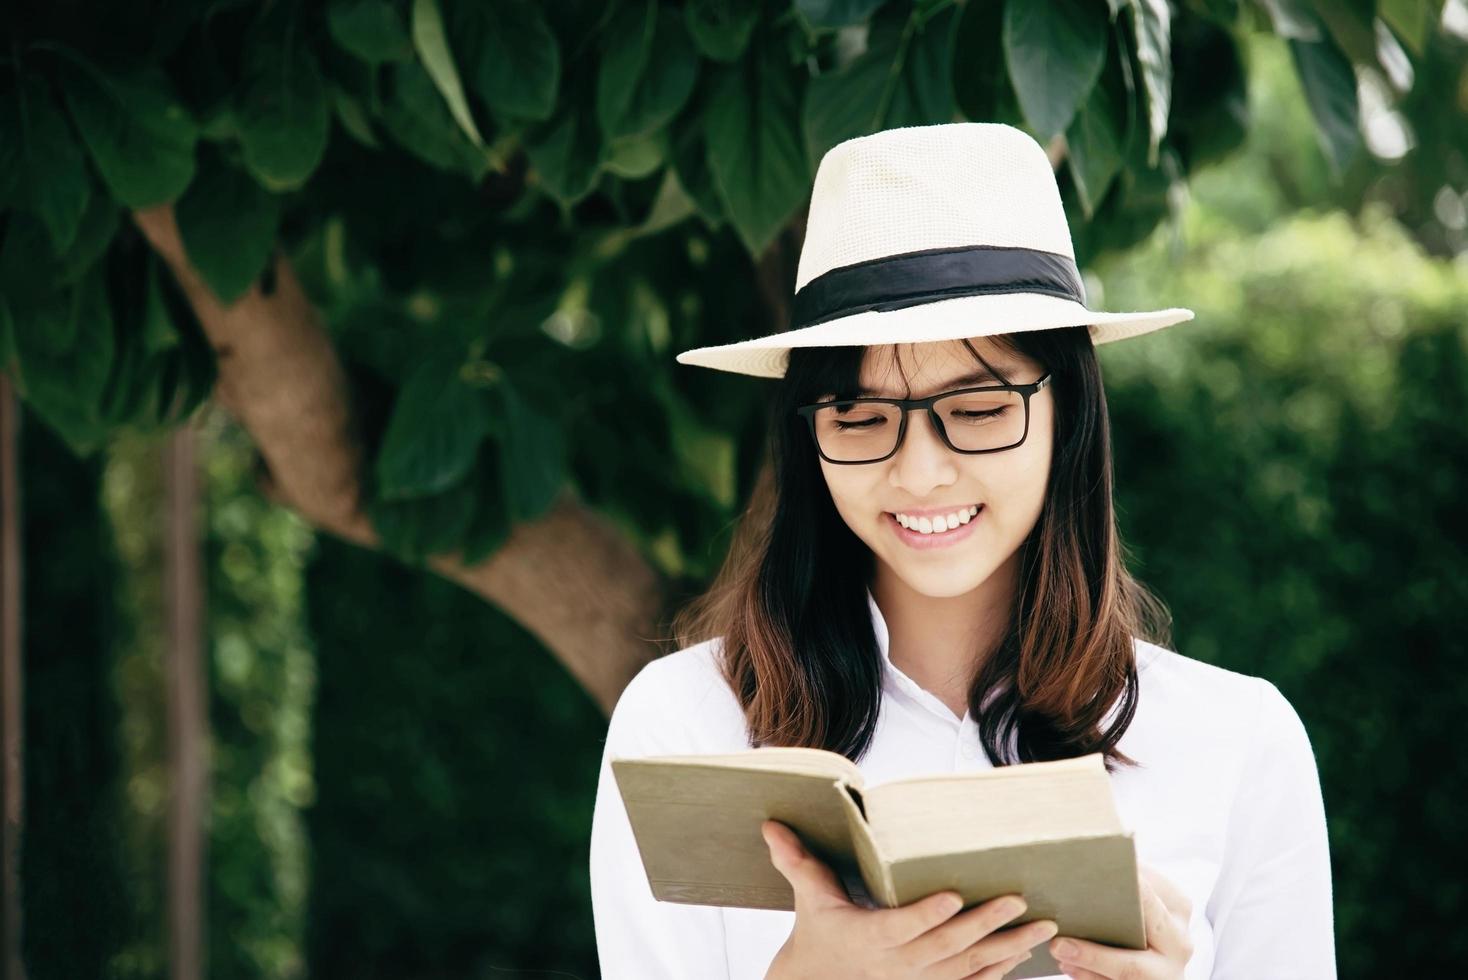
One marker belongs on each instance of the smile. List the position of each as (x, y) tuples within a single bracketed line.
[(915, 537)]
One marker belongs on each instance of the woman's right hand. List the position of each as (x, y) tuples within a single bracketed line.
[(924, 940)]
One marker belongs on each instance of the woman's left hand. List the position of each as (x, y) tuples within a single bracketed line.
[(1166, 911)]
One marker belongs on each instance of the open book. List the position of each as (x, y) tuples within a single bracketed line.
[(1048, 831)]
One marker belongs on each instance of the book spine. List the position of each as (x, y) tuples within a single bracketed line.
[(876, 871)]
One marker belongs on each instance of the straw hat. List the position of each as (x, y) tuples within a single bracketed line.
[(927, 233)]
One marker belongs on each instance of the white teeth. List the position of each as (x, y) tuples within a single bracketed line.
[(940, 523)]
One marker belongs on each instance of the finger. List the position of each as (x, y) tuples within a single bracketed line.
[(1166, 932), (1106, 961), (958, 935), (1081, 973), (1172, 896), (903, 924), (812, 879), (999, 970)]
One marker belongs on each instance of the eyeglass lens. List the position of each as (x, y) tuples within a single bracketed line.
[(979, 420)]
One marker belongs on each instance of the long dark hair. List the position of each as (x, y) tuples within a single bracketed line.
[(790, 601)]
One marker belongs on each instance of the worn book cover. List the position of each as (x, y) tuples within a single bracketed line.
[(1048, 831)]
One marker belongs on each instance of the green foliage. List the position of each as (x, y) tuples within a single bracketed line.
[(229, 225), (280, 106), (1289, 477), (261, 676), (1055, 52), (537, 205), (141, 139), (511, 56), (756, 154), (44, 162), (262, 687), (437, 424), (904, 78), (493, 165), (74, 885), (456, 767)]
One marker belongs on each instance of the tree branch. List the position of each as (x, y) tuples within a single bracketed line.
[(570, 578)]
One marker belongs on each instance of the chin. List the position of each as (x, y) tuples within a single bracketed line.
[(940, 579), (936, 585)]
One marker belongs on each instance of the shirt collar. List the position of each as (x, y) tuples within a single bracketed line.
[(894, 679)]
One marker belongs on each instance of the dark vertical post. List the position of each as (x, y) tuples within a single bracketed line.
[(11, 703)]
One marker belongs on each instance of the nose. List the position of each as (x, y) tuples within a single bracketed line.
[(923, 461)]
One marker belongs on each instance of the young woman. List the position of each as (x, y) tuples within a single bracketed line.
[(933, 582)]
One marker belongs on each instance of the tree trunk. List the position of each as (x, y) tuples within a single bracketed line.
[(570, 578)]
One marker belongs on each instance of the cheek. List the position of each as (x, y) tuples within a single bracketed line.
[(857, 499), (850, 495)]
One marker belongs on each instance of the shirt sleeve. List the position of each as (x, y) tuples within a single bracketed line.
[(637, 936), (1271, 909)]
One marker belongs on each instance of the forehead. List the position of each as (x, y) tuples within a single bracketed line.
[(931, 366)]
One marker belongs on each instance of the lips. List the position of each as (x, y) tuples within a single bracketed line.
[(942, 539)]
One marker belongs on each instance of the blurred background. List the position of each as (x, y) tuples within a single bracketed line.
[(348, 475)]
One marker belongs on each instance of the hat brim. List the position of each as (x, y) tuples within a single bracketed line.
[(949, 319)]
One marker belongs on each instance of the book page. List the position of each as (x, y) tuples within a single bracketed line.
[(779, 758), (998, 807)]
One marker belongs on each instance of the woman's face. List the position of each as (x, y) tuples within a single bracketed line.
[(924, 477)]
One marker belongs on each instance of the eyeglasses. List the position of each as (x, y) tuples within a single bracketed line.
[(987, 419)]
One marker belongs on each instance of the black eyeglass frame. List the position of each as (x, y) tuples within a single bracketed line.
[(906, 405)]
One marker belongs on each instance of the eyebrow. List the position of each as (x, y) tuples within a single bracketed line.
[(963, 381)]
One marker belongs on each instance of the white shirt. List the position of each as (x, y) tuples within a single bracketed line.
[(1228, 807)]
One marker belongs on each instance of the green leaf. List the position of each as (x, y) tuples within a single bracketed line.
[(159, 333), (139, 135), (7, 335), (1153, 32), (1351, 24), (902, 79), (690, 163), (280, 105), (511, 56), (836, 13), (1210, 110), (566, 151), (433, 49), (755, 147), (1055, 52), (352, 116), (490, 526), (417, 118), (1094, 146), (980, 80), (1330, 89), (1411, 20), (93, 236), (29, 271), (533, 455), (436, 426), (43, 163), (1294, 19), (647, 71), (370, 29), (720, 28), (417, 528), (924, 93), (228, 223), (64, 381), (635, 157)]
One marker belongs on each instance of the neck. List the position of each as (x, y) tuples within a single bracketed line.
[(942, 642)]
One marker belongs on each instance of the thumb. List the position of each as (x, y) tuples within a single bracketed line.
[(811, 877)]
